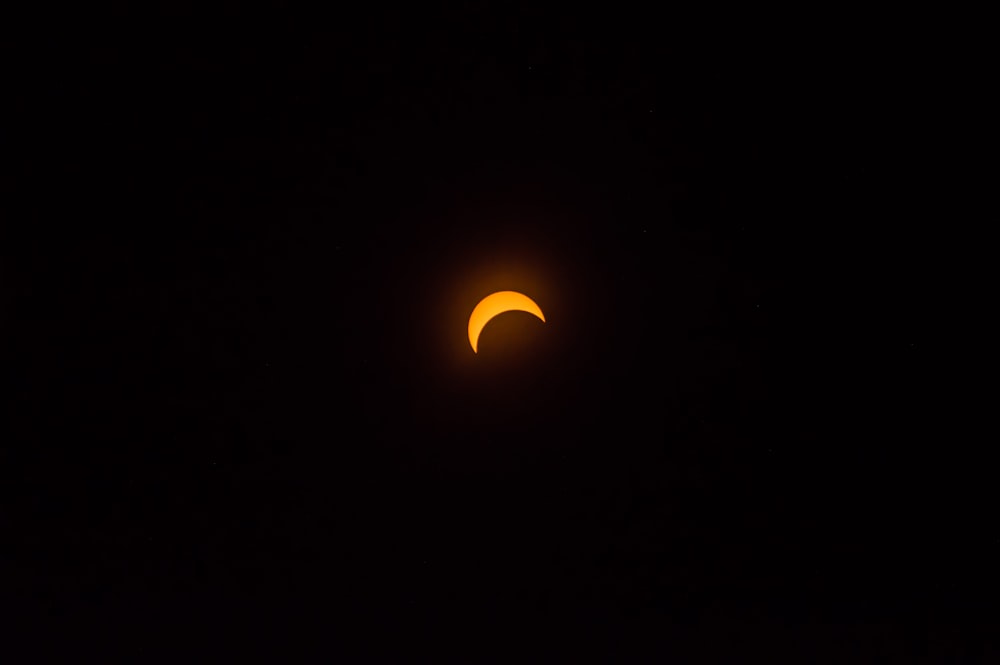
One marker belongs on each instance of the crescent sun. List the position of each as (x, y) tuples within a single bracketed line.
[(498, 303)]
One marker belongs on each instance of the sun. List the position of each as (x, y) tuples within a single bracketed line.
[(498, 303)]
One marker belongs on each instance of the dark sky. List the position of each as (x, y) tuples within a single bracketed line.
[(236, 287)]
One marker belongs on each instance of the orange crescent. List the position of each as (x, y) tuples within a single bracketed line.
[(498, 303)]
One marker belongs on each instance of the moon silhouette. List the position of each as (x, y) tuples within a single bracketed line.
[(498, 303)]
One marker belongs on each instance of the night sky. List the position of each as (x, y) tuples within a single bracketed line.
[(239, 256)]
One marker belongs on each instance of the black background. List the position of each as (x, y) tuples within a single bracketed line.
[(239, 256)]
